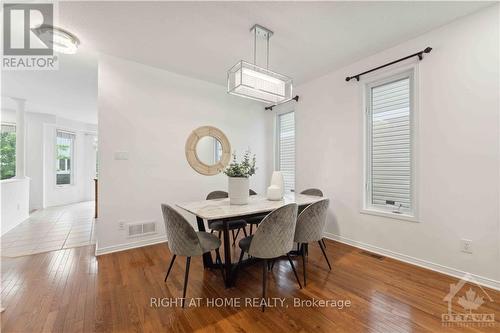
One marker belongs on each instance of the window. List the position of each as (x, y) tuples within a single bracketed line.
[(8, 150), (217, 151), (286, 148), (389, 153), (64, 158)]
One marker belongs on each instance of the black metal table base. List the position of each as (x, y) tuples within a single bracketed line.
[(229, 267)]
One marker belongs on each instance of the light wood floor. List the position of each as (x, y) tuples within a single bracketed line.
[(71, 291)]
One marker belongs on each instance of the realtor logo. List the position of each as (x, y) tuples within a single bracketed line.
[(19, 20), (22, 47), (470, 299)]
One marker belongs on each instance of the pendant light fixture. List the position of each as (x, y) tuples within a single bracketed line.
[(251, 81)]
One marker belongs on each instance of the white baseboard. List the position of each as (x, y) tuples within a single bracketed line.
[(484, 281), (127, 246)]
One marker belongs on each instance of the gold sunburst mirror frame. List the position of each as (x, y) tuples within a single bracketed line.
[(193, 158)]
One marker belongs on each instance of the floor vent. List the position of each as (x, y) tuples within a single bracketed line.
[(373, 255), (141, 229)]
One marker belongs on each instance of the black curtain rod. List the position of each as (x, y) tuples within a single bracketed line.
[(270, 107), (420, 56)]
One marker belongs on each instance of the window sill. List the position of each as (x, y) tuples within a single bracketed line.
[(14, 180), (64, 186), (377, 212)]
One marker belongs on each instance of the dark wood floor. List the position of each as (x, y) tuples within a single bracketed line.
[(72, 291)]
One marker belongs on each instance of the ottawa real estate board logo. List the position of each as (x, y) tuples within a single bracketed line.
[(24, 47), (469, 296)]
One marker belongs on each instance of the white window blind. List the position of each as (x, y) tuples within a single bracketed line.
[(389, 178), (286, 148)]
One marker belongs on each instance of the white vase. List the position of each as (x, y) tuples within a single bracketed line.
[(238, 190), (278, 181)]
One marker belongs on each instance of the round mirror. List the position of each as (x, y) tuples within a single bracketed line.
[(208, 150)]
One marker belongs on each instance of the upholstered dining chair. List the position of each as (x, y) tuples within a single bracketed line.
[(254, 220), (184, 241), (273, 239), (317, 193), (313, 191), (310, 224), (231, 225)]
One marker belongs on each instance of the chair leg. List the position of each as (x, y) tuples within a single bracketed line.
[(188, 261), (212, 231), (272, 265), (220, 234), (218, 259), (323, 241), (236, 271), (245, 231), (234, 237), (251, 228), (294, 271), (241, 258), (264, 278), (170, 267), (324, 254), (303, 255)]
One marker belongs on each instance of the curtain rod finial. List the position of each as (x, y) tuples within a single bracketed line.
[(428, 49)]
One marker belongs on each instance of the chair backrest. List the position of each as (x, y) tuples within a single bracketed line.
[(274, 236), (252, 192), (181, 237), (217, 195), (311, 222), (313, 191)]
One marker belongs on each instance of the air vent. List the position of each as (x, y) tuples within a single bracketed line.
[(373, 255), (141, 229)]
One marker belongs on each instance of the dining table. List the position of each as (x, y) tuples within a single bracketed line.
[(222, 210)]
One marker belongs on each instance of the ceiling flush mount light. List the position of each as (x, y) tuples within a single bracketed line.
[(58, 39), (251, 81)]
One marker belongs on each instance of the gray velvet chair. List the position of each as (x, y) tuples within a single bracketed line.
[(254, 220), (317, 193), (310, 224), (232, 225), (184, 241), (273, 239), (313, 191)]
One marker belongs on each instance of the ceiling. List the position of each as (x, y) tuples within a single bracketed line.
[(69, 92), (203, 40)]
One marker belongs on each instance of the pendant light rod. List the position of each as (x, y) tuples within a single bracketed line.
[(262, 32)]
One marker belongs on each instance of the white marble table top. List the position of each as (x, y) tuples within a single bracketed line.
[(221, 209)]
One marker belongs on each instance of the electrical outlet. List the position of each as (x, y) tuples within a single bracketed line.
[(121, 225), (466, 246)]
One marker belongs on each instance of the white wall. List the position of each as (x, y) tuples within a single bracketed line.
[(14, 197), (34, 155), (458, 156), (40, 159), (150, 113)]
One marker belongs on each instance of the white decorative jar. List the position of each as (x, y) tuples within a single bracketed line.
[(238, 190), (274, 193)]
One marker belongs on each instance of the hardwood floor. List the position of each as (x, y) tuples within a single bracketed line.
[(71, 291)]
